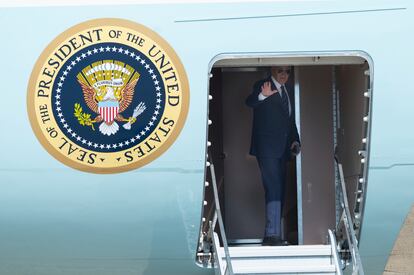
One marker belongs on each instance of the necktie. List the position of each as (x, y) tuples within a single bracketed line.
[(285, 101)]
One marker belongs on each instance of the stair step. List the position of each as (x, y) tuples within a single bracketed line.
[(279, 251), (323, 269), (291, 261), (299, 259)]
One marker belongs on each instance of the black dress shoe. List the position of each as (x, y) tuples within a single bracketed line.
[(271, 241)]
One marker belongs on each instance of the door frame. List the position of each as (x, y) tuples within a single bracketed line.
[(296, 59)]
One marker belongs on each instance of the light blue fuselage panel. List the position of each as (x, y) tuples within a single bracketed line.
[(57, 220)]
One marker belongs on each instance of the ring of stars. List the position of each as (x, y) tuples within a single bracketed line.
[(144, 130)]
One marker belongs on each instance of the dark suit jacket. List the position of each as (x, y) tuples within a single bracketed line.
[(273, 130)]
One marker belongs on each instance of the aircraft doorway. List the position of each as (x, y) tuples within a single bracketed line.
[(331, 104)]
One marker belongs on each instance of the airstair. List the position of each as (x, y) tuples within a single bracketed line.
[(303, 259), (330, 258)]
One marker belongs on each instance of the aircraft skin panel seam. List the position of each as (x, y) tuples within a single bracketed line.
[(390, 166), (288, 15)]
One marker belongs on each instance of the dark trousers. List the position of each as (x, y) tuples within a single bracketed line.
[(273, 172)]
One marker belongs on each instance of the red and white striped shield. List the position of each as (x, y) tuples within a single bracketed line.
[(108, 110)]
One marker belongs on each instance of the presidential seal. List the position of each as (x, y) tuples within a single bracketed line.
[(107, 95)]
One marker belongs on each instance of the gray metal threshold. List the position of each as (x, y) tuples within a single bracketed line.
[(242, 242)]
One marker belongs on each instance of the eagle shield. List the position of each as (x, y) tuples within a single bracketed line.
[(108, 110)]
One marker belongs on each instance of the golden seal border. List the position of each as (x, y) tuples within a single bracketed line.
[(97, 23)]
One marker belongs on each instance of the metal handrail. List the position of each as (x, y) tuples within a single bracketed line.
[(211, 214), (219, 218), (349, 226), (334, 249)]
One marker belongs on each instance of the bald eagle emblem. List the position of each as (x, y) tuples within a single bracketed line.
[(108, 89)]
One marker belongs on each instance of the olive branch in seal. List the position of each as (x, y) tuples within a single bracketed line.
[(83, 118)]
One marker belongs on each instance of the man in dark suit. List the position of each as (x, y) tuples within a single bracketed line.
[(274, 140)]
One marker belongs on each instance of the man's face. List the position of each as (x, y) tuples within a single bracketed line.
[(281, 74)]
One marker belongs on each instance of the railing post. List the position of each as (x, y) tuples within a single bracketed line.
[(334, 249), (229, 267), (349, 227)]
